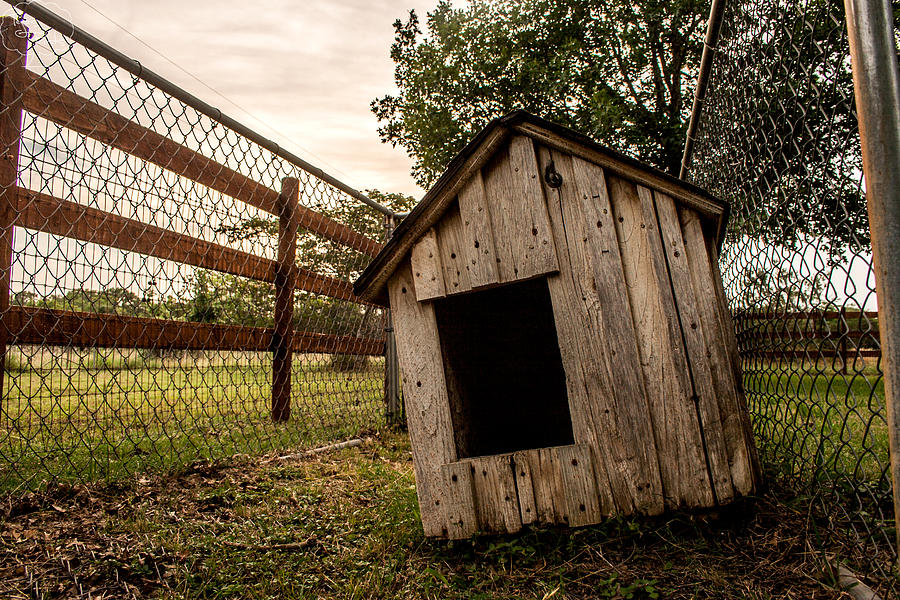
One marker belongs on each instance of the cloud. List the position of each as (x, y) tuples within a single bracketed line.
[(308, 69)]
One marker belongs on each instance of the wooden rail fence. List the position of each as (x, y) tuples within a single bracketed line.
[(22, 90), (840, 336)]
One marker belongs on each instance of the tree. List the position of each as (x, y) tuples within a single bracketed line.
[(227, 298), (779, 131), (616, 70)]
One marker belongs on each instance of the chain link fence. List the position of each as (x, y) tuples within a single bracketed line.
[(156, 256), (778, 138)]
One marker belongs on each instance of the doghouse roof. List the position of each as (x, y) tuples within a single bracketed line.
[(371, 285)]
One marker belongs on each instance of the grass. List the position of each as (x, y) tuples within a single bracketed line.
[(83, 416), (817, 422), (345, 525)]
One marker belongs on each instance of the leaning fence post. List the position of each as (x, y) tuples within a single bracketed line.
[(393, 407), (285, 284), (14, 36), (876, 86)]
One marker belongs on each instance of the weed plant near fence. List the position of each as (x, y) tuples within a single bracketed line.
[(175, 286), (778, 138)]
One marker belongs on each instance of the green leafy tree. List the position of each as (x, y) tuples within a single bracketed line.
[(780, 130), (226, 298), (618, 71)]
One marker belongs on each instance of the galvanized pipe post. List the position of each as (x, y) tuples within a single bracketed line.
[(393, 403), (876, 84)]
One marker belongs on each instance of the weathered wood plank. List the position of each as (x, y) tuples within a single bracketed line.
[(425, 393), (733, 359), (496, 501), (580, 489), (523, 238), (459, 500), (680, 451), (724, 385), (49, 214), (632, 172), (51, 327), (589, 390), (452, 252), (692, 327), (521, 463), (427, 213), (545, 485), (477, 232), (14, 39), (426, 265), (55, 103), (597, 340)]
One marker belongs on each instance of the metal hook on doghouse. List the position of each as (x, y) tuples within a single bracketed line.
[(552, 176)]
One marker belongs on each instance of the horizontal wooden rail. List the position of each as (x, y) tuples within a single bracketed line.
[(55, 103), (803, 316), (49, 214), (754, 337), (50, 327), (813, 353)]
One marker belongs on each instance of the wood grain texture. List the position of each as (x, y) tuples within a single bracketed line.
[(680, 450), (733, 359), (523, 238), (692, 327), (618, 168), (496, 500), (13, 47), (426, 267), (521, 464), (582, 500), (42, 212), (724, 385), (477, 232), (545, 485), (51, 327), (606, 392), (425, 393), (459, 500), (285, 286), (55, 103), (453, 252), (432, 206)]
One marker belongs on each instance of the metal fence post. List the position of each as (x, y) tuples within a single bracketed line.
[(393, 403), (285, 284), (876, 84), (14, 37)]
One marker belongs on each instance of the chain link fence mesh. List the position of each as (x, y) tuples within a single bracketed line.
[(778, 138), (96, 390)]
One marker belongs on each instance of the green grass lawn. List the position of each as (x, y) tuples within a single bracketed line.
[(69, 420), (345, 525), (814, 423)]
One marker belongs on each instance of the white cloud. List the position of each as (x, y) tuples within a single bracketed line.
[(308, 69)]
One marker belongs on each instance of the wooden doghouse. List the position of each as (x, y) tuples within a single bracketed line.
[(564, 342)]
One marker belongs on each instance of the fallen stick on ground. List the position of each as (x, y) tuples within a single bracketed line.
[(338, 446), (850, 583)]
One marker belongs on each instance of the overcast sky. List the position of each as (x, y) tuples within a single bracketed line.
[(308, 68)]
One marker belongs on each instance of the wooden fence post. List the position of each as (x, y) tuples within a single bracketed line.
[(845, 333), (285, 284), (14, 39)]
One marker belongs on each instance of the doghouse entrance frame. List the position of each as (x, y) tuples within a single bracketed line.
[(502, 361)]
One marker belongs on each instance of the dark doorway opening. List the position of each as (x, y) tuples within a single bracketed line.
[(505, 378)]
